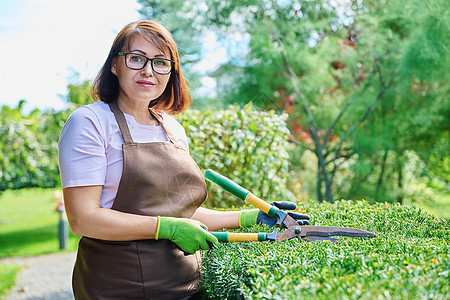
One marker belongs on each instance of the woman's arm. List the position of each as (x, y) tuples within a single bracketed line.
[(216, 220), (87, 218)]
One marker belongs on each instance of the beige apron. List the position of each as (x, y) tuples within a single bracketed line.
[(158, 179)]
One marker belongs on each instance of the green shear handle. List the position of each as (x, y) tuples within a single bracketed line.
[(310, 233), (238, 191)]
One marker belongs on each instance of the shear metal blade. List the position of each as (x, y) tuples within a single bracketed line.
[(314, 238), (328, 231), (293, 229)]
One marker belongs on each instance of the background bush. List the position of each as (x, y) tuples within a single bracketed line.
[(243, 144), (409, 259), (28, 147)]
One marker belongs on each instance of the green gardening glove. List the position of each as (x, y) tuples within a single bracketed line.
[(248, 217), (255, 216), (187, 234)]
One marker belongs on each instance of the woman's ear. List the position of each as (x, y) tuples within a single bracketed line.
[(113, 67)]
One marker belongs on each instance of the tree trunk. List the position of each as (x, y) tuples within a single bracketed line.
[(322, 172), (319, 180), (380, 178), (400, 183)]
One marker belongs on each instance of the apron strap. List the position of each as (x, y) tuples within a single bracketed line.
[(166, 128), (123, 126), (125, 131)]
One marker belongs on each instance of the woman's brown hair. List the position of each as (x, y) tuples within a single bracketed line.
[(176, 97)]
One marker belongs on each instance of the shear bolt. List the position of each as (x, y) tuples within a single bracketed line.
[(297, 229)]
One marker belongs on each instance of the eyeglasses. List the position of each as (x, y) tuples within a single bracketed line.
[(136, 61)]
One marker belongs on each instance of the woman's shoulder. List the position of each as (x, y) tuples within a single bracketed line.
[(97, 112), (93, 109), (95, 117)]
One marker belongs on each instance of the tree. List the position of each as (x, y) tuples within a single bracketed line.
[(351, 74), (413, 117)]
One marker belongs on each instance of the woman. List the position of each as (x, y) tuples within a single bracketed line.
[(131, 189)]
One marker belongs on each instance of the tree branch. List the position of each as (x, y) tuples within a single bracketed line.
[(371, 107), (347, 105), (293, 77), (341, 113), (312, 124), (346, 156), (380, 74)]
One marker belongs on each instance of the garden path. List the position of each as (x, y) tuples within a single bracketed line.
[(46, 277)]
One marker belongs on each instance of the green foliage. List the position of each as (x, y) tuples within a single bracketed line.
[(373, 73), (243, 144), (78, 92), (8, 273), (29, 142), (412, 115), (28, 148), (409, 258)]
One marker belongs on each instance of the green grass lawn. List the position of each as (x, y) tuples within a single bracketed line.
[(8, 273), (29, 223), (28, 227)]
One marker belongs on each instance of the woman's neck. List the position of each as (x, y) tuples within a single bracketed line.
[(139, 110)]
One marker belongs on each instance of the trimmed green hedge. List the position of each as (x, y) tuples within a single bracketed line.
[(408, 259)]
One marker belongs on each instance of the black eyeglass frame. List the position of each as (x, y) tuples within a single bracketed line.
[(124, 54)]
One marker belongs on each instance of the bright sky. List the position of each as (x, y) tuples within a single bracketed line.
[(42, 42)]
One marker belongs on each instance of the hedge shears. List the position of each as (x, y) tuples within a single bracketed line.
[(292, 228)]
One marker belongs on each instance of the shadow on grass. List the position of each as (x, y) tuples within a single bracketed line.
[(14, 242)]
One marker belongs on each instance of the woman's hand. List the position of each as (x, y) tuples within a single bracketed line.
[(190, 235), (301, 219), (256, 216)]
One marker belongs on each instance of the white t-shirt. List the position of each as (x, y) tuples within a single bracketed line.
[(90, 147)]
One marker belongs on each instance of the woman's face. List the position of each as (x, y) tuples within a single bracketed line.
[(140, 85)]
